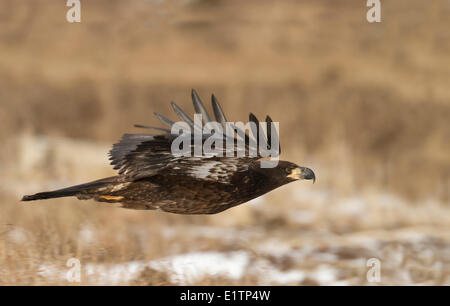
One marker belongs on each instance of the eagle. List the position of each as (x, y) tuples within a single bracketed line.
[(151, 177)]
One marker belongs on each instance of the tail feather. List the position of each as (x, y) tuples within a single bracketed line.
[(70, 191), (48, 195)]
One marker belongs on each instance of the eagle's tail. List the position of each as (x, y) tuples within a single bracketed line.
[(71, 191), (48, 195)]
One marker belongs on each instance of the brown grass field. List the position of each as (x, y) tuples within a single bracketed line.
[(366, 105)]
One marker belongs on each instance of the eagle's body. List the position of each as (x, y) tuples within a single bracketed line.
[(186, 195), (151, 177)]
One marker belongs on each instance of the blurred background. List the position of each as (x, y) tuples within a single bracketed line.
[(366, 105)]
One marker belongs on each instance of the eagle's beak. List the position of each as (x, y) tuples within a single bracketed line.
[(302, 173)]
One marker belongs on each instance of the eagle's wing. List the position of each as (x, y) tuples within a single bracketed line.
[(142, 155)]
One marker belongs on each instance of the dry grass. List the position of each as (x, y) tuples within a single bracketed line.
[(365, 105)]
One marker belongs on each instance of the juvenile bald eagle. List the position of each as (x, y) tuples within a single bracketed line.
[(151, 177)]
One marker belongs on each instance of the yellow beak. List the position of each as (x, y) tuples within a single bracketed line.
[(302, 173), (295, 174)]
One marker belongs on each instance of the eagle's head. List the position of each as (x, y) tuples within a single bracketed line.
[(286, 172)]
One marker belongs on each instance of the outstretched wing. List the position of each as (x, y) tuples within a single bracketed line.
[(138, 156)]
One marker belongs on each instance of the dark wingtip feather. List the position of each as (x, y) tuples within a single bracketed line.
[(199, 107), (253, 118), (218, 112), (254, 128), (194, 94), (183, 116), (164, 119), (269, 133), (140, 126)]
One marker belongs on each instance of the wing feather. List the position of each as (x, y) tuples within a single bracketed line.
[(164, 120), (269, 134), (218, 112), (137, 156), (183, 116), (199, 107), (140, 126), (255, 130)]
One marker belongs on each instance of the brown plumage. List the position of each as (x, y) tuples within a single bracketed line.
[(151, 177)]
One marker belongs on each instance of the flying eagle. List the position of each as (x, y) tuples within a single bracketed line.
[(152, 177)]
